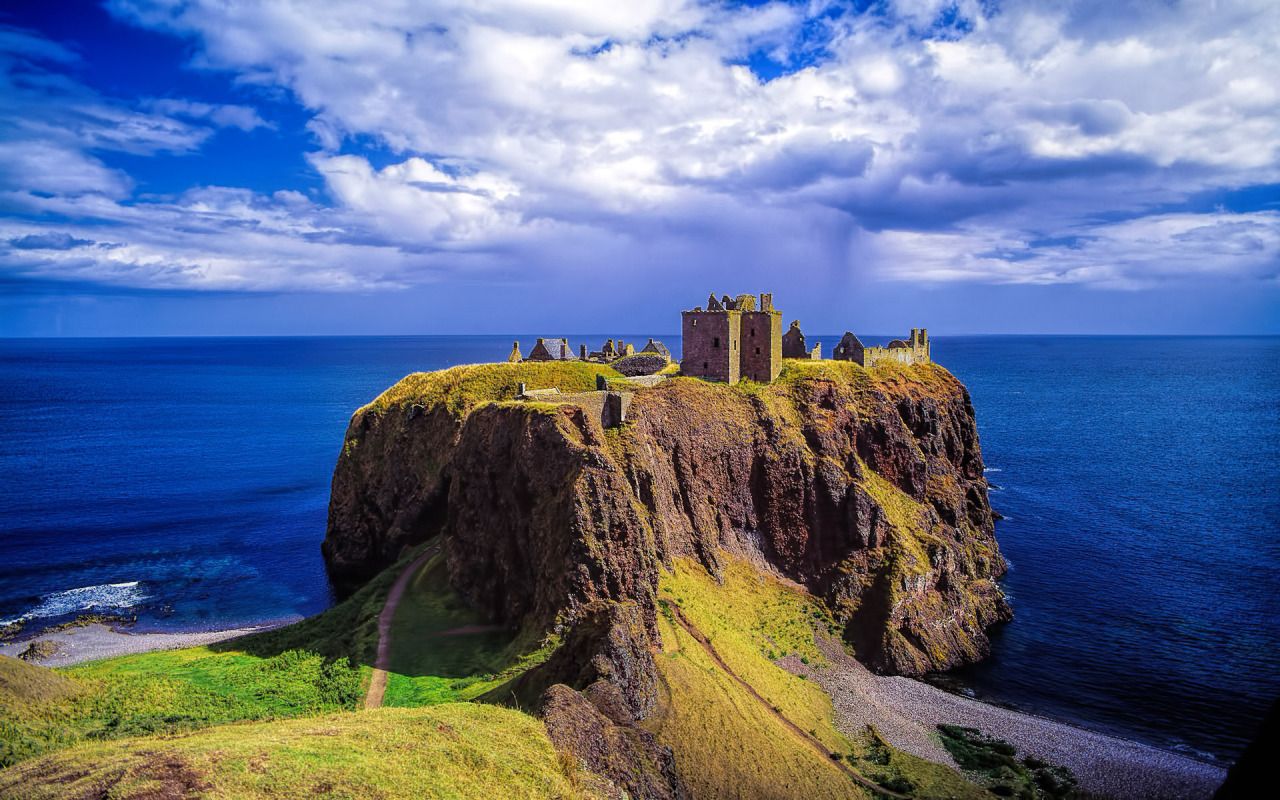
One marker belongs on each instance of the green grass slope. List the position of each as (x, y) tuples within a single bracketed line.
[(457, 750), (727, 742), (315, 666)]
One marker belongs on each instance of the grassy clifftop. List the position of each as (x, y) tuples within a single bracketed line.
[(459, 389), (457, 750)]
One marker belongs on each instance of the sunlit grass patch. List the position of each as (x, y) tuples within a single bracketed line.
[(460, 750), (727, 742), (462, 388)]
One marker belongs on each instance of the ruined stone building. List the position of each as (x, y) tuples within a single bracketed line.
[(735, 339), (551, 350), (793, 344), (657, 348), (848, 349), (732, 339), (913, 351), (607, 405)]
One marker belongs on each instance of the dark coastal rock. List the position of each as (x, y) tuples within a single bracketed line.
[(609, 643), (865, 486), (595, 729)]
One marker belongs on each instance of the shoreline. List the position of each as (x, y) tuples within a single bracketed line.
[(96, 641), (907, 712)]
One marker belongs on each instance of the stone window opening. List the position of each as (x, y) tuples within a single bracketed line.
[(715, 342), (705, 365), (757, 351)]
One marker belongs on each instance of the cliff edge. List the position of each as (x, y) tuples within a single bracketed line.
[(863, 485)]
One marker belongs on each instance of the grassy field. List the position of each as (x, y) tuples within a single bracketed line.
[(441, 652), (727, 743), (455, 750)]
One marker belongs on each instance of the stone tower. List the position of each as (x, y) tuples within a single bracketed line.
[(920, 345), (761, 342), (733, 339)]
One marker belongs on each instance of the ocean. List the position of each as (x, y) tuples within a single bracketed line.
[(185, 482)]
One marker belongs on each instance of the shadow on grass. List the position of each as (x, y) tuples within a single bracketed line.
[(441, 649), (348, 631), (436, 633)]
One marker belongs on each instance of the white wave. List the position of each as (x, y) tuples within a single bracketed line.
[(993, 469), (103, 597)]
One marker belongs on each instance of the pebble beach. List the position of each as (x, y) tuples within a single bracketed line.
[(907, 712)]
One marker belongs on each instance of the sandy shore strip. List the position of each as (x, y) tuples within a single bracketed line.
[(94, 641), (907, 713)]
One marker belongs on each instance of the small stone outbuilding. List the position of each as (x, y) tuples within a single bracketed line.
[(657, 348), (552, 350)]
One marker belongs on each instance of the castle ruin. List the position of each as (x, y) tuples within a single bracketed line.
[(732, 339), (793, 345), (915, 350)]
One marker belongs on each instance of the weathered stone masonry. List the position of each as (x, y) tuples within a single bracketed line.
[(732, 340)]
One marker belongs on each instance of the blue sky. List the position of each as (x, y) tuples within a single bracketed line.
[(239, 167)]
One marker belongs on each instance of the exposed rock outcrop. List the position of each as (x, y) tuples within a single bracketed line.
[(866, 486), (596, 728)]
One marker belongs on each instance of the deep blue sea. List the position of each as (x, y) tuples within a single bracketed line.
[(186, 481)]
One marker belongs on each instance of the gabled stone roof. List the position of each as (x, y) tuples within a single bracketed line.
[(655, 346)]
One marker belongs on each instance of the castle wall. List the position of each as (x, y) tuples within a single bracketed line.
[(761, 345), (918, 354), (880, 355), (712, 345)]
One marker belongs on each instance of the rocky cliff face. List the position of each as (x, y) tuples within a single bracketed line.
[(866, 486)]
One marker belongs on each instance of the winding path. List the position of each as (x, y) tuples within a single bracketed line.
[(378, 680), (812, 741)]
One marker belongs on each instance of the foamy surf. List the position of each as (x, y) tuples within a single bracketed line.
[(84, 599)]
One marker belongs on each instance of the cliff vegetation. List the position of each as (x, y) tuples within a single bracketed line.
[(575, 548), (633, 587), (446, 751)]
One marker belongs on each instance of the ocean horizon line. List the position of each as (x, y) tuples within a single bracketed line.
[(615, 335)]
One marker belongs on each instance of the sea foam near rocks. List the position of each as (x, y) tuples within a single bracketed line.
[(83, 599)]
